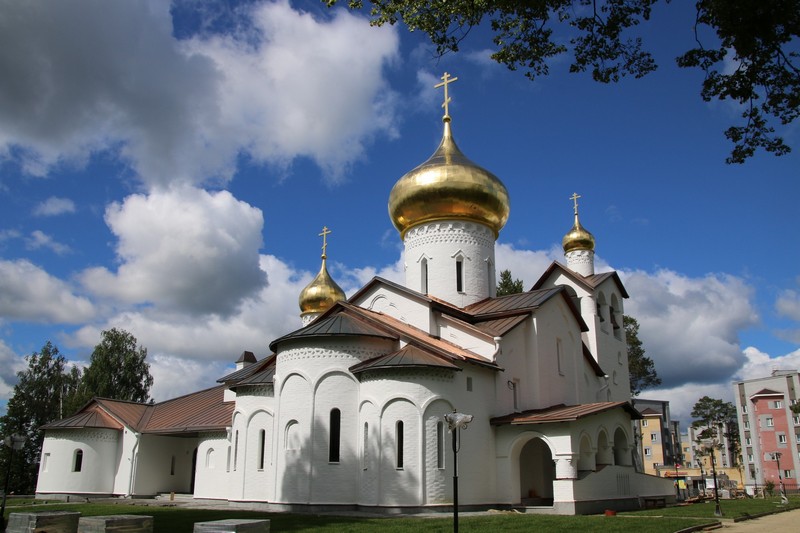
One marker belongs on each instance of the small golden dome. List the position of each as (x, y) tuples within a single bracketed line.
[(448, 186), (578, 238), (321, 294)]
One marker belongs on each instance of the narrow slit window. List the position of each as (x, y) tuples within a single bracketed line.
[(424, 277), (440, 445), (77, 465), (262, 448), (236, 451), (365, 447), (335, 432), (460, 275), (172, 466), (399, 442)]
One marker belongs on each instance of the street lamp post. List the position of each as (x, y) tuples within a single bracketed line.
[(14, 442), (702, 476), (777, 457), (455, 423), (717, 510)]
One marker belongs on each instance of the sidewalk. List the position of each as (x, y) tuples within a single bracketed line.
[(775, 523)]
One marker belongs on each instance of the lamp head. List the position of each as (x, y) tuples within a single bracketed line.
[(457, 420)]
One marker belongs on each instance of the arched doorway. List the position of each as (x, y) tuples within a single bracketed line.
[(622, 455), (536, 473)]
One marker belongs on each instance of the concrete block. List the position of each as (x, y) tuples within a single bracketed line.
[(233, 525), (43, 521), (123, 523)]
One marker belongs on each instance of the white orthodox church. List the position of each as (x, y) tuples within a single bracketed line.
[(348, 410)]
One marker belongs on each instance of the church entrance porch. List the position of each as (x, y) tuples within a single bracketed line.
[(536, 474)]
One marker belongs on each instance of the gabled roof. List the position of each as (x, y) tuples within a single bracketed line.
[(562, 413), (205, 410), (407, 357), (650, 412), (590, 283), (92, 417), (417, 337)]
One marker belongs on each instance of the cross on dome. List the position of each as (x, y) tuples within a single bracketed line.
[(574, 198), (324, 235), (446, 80)]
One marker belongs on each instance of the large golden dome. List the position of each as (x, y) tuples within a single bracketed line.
[(321, 294), (577, 238), (448, 186)]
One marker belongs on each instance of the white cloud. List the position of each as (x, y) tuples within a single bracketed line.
[(526, 265), (183, 249), (86, 76), (760, 364), (10, 364), (690, 326), (29, 293), (175, 340), (176, 376), (788, 304), (38, 240), (54, 206)]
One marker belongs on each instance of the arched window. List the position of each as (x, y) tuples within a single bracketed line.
[(77, 463), (335, 432), (210, 458), (398, 438), (262, 448)]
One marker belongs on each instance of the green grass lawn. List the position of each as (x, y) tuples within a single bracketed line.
[(181, 519), (730, 508)]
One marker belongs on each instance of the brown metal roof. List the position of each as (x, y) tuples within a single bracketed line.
[(263, 377), (407, 357), (501, 326), (562, 413), (523, 301), (247, 370), (129, 413), (205, 410), (200, 411), (417, 337), (334, 325), (92, 417)]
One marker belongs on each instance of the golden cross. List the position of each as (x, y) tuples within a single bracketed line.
[(574, 198), (324, 235), (446, 79)]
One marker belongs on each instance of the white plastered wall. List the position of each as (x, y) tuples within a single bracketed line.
[(435, 247), (212, 477), (100, 450)]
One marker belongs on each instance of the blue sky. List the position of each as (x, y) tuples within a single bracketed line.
[(167, 170)]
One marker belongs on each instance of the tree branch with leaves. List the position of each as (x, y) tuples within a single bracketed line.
[(757, 38)]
